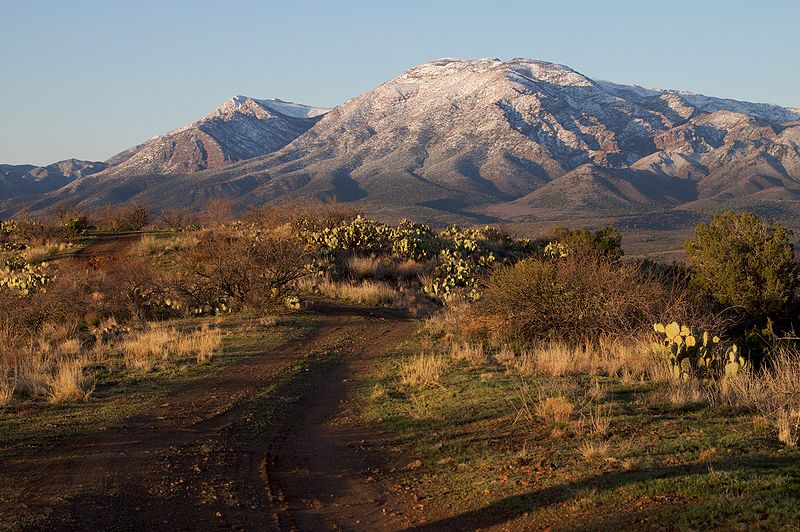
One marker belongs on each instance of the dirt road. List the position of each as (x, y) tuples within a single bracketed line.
[(233, 451)]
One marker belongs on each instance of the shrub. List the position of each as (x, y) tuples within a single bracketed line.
[(570, 299), (124, 217), (744, 261), (606, 241), (243, 266)]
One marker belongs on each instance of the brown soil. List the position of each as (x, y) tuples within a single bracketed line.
[(104, 245), (211, 457)]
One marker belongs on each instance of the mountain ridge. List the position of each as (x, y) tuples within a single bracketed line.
[(481, 135)]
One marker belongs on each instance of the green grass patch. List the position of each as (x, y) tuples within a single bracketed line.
[(481, 454)]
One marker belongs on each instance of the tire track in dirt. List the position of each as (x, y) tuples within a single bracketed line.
[(156, 470), (317, 472)]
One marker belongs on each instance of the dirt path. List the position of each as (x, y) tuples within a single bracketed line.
[(321, 473), (107, 245), (213, 456)]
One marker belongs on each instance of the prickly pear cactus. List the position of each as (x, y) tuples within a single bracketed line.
[(691, 353), (734, 361)]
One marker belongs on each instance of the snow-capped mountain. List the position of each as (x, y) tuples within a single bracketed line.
[(506, 137), (241, 128), (451, 133)]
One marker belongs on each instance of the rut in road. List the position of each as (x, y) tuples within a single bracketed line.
[(318, 471), (197, 462)]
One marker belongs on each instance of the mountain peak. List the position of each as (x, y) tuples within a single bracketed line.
[(532, 70), (264, 109)]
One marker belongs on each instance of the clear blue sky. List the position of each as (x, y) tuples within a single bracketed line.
[(89, 78)]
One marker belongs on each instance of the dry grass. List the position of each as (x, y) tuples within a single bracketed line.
[(53, 367), (555, 410), (682, 393), (773, 393), (787, 423), (201, 344), (69, 382), (411, 269), (420, 407), (594, 453), (156, 345), (361, 267), (506, 356), (32, 372), (630, 359), (378, 392), (423, 371), (153, 245), (599, 420), (367, 292), (473, 354), (43, 370), (147, 349), (47, 251), (7, 386), (597, 391), (445, 322)]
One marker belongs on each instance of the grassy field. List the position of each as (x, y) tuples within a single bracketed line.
[(230, 375), (485, 445)]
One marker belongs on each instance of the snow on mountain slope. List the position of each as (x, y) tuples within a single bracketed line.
[(241, 128), (461, 134), (489, 130), (706, 104)]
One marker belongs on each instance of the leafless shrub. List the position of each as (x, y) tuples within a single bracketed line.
[(123, 217), (248, 270)]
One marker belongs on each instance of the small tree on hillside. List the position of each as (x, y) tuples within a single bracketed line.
[(744, 261), (606, 241)]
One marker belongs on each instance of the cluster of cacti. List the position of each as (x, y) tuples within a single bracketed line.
[(210, 309), (7, 228), (406, 240), (24, 278), (414, 241), (463, 256), (556, 250), (463, 261), (453, 271), (692, 353), (361, 235), (292, 302)]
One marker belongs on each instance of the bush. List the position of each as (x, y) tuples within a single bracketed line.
[(125, 217), (571, 299), (243, 267), (746, 262), (606, 241)]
